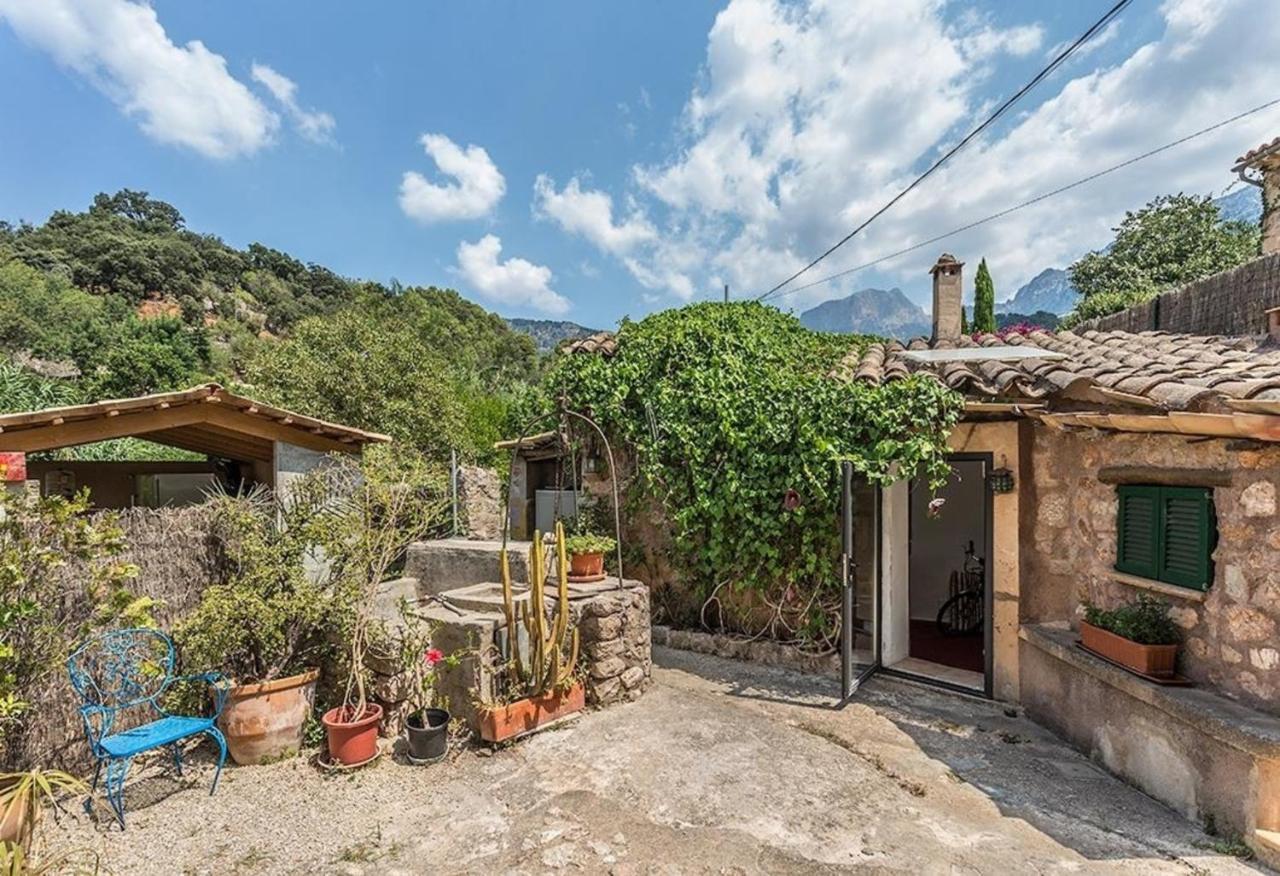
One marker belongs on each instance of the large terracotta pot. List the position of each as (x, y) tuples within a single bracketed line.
[(264, 722), (13, 822), (1154, 660), (525, 716), (352, 739)]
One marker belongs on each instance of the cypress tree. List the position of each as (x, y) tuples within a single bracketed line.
[(984, 300)]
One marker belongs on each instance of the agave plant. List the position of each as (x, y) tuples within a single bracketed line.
[(23, 797), (16, 861)]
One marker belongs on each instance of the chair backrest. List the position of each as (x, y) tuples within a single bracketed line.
[(122, 668)]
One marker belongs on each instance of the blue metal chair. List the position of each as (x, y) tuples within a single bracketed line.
[(131, 669)]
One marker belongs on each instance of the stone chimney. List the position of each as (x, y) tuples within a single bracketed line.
[(946, 298), (1261, 167)]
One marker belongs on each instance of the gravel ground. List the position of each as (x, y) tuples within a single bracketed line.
[(721, 768)]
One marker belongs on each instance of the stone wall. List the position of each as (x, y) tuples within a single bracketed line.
[(614, 637), (480, 502), (1228, 303), (1069, 526)]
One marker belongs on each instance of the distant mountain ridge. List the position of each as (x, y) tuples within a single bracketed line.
[(1049, 290), (885, 312), (548, 334)]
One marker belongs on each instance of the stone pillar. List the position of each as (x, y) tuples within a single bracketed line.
[(946, 298), (1271, 206)]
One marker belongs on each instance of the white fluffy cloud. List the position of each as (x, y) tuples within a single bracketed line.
[(181, 95), (589, 214), (314, 125), (513, 282), (476, 189), (808, 116)]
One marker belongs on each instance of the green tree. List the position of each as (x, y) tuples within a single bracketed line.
[(1173, 240), (984, 300)]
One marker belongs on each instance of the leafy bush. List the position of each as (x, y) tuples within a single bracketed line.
[(1145, 621), (587, 543), (38, 538), (1173, 240), (727, 408), (270, 619)]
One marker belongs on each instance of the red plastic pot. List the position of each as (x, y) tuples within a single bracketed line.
[(352, 739)]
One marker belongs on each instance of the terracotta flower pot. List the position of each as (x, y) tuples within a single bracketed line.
[(1155, 660), (13, 822), (263, 722), (586, 567), (353, 739), (526, 715)]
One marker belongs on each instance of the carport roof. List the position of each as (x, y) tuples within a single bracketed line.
[(205, 419)]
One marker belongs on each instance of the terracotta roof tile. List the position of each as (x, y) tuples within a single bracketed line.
[(1154, 369), (1254, 154)]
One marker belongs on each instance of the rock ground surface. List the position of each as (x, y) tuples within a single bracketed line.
[(722, 767)]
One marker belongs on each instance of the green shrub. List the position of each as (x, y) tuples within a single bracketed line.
[(1145, 621), (588, 543)]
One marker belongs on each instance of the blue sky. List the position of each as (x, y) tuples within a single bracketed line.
[(614, 159)]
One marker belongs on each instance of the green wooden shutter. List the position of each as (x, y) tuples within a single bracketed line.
[(1138, 530), (1186, 537)]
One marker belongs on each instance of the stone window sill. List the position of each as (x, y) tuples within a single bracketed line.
[(1185, 593)]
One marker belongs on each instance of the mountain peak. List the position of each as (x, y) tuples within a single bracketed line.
[(885, 312)]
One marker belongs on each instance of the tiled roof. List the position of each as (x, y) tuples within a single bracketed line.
[(1150, 370), (1254, 154)]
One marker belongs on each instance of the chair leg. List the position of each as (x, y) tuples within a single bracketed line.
[(222, 755), (88, 800), (177, 757), (117, 771)]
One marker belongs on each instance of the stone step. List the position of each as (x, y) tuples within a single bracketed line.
[(450, 563)]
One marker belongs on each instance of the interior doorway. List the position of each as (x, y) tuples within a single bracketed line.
[(940, 607)]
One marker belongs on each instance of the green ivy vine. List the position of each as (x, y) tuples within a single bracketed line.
[(739, 432)]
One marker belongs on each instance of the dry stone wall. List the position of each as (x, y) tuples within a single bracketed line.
[(1069, 529)]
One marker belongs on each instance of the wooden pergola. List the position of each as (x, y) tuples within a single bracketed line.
[(205, 419)]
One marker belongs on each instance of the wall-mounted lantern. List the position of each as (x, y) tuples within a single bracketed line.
[(1001, 479)]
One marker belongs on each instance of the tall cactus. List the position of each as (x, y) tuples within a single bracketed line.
[(548, 667)]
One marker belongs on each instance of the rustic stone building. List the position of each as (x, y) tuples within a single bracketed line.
[(985, 596)]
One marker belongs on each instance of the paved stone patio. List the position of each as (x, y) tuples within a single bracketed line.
[(722, 767)]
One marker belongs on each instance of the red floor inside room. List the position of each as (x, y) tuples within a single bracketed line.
[(962, 652)]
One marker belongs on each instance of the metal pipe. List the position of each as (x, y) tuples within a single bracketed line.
[(846, 579)]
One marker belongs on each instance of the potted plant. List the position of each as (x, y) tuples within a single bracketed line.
[(544, 688), (371, 524), (267, 627), (427, 721), (1138, 635), (586, 556)]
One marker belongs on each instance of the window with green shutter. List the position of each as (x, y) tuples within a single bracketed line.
[(1166, 533)]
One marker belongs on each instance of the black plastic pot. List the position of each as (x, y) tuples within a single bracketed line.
[(428, 733)]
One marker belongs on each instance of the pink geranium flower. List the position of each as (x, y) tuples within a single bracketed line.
[(433, 656)]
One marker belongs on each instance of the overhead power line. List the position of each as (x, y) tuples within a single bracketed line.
[(991, 119), (1032, 201)]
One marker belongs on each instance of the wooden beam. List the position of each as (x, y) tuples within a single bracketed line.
[(272, 431), (128, 424), (1167, 477), (201, 439)]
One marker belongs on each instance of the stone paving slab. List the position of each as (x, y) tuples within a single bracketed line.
[(722, 767)]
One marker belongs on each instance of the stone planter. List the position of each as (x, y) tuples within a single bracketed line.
[(502, 723), (1155, 660), (263, 722)]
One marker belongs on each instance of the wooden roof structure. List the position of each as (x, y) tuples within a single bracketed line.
[(205, 419)]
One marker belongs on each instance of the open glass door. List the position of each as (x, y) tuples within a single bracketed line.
[(860, 580)]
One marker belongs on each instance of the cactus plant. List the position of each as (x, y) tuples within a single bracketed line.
[(549, 638)]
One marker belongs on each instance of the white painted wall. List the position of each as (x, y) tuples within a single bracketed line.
[(895, 635)]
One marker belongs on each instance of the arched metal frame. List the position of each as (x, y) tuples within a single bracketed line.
[(562, 417)]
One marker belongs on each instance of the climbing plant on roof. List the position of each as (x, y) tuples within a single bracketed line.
[(738, 431)]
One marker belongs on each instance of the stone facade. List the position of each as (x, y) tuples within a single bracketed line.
[(480, 502), (614, 638), (1069, 525)]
